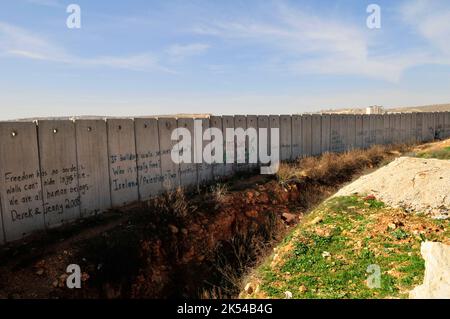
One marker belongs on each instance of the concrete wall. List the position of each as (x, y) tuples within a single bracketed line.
[(55, 171)]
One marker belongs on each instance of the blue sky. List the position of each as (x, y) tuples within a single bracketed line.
[(136, 57)]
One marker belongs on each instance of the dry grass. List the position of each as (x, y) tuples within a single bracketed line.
[(332, 168), (439, 150), (237, 257), (173, 203), (219, 193)]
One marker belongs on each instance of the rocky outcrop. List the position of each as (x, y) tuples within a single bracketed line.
[(436, 283)]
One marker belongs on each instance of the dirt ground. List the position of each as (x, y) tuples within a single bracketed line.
[(414, 184)]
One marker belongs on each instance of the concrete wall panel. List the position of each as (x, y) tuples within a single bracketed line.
[(343, 132), (58, 158), (447, 124), (218, 168), (403, 128), (326, 132), (92, 160), (335, 136), (372, 130), (252, 122), (240, 121), (413, 127), (205, 170), (296, 136), (148, 158), (439, 125), (316, 134), (306, 135), (397, 128), (263, 124), (122, 162), (359, 132), (170, 170), (366, 131), (274, 122), (409, 128), (417, 118), (387, 138), (286, 137), (20, 181), (379, 129), (351, 131), (188, 170), (228, 122), (428, 132)]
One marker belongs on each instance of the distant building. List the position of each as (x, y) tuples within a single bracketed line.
[(376, 109)]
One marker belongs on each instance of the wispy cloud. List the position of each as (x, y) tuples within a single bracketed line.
[(322, 45), (18, 42), (179, 52), (431, 21)]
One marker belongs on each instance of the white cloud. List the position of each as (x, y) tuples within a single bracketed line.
[(431, 19), (18, 42)]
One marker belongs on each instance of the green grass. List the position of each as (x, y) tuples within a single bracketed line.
[(348, 232), (443, 154)]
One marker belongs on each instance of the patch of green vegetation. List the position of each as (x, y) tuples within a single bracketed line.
[(332, 253), (399, 234), (443, 153)]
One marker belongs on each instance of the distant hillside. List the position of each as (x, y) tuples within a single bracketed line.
[(426, 108), (406, 109)]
